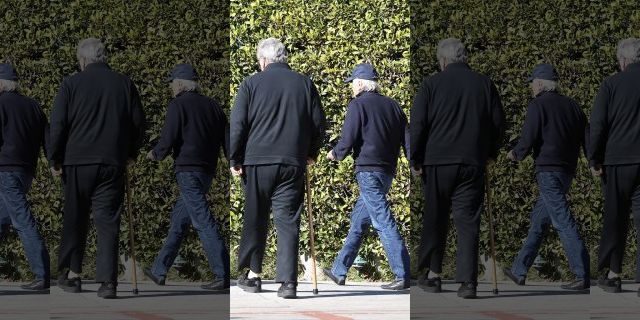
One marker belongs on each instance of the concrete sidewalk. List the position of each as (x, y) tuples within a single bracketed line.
[(177, 301), (358, 301), (534, 301)]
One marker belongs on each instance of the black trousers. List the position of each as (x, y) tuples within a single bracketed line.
[(281, 188), (621, 185), (458, 189), (98, 189)]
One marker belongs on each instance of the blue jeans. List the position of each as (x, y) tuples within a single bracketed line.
[(552, 208), (373, 208), (14, 206), (192, 209)]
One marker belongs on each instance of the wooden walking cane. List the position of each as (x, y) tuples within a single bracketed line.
[(314, 277), (491, 235), (131, 237)]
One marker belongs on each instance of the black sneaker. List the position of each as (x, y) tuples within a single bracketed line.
[(216, 285), (253, 285), (287, 290), (517, 280), (73, 285), (612, 285), (157, 280), (108, 290), (433, 285), (467, 290), (397, 284), (577, 285), (36, 285), (327, 272)]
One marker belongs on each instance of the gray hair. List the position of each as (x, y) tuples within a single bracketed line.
[(91, 50), (547, 85), (452, 50), (8, 85), (272, 50), (367, 85), (629, 50), (181, 85)]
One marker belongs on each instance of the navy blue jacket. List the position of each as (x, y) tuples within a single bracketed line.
[(194, 130), (554, 130), (615, 120), (375, 128), (23, 131)]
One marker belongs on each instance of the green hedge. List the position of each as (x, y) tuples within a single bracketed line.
[(505, 39), (144, 40), (325, 40)]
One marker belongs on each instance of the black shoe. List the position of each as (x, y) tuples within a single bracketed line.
[(36, 285), (330, 275), (612, 285), (253, 285), (107, 290), (577, 285), (73, 285), (513, 277), (433, 285), (467, 290), (287, 290), (396, 285), (216, 285), (157, 280)]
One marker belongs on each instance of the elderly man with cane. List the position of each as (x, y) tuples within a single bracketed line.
[(194, 131), (23, 128), (277, 129), (615, 157), (96, 130), (554, 130), (375, 128), (456, 128)]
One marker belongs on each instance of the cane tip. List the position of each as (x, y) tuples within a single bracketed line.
[(495, 291), (315, 291), (135, 292)]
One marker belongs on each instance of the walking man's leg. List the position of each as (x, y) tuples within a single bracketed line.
[(287, 202), (358, 228), (13, 189), (193, 189), (179, 225), (374, 187), (107, 205), (618, 186), (553, 189), (258, 183), (467, 210), (78, 185), (538, 229), (437, 186)]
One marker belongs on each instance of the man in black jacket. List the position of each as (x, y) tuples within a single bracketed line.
[(22, 133), (96, 130), (554, 130), (456, 127), (615, 157), (194, 131), (374, 129), (277, 128)]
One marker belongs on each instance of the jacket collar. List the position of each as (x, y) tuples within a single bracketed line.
[(186, 93), (543, 93), (277, 65), (367, 93), (633, 67), (457, 65), (97, 65)]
